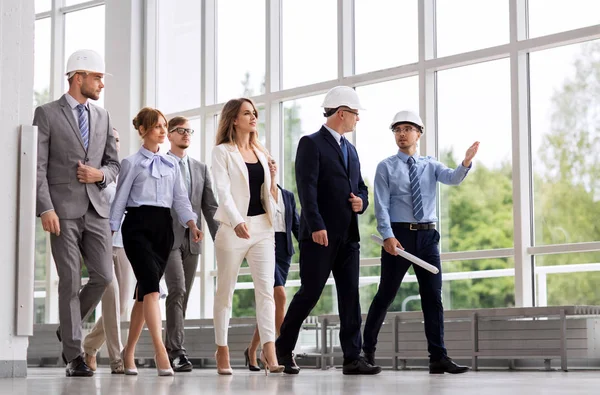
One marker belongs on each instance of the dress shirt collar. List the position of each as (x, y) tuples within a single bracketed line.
[(74, 103), (405, 157), (336, 135), (184, 159), (147, 153)]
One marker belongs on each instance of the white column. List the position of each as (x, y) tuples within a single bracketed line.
[(273, 84), (427, 99), (521, 156), (16, 108), (209, 127), (124, 56)]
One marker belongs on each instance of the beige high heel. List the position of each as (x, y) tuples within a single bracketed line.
[(163, 372), (126, 370), (223, 371), (268, 367)]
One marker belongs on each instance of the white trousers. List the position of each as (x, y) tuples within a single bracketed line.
[(259, 251)]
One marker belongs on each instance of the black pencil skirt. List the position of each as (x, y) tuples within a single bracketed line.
[(147, 239)]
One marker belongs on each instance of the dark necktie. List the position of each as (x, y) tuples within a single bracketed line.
[(344, 148), (416, 189)]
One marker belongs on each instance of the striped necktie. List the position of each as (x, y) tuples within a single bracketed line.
[(416, 189), (84, 125)]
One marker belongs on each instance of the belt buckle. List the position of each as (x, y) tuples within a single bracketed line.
[(410, 227)]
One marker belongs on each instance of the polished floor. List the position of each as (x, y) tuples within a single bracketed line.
[(51, 381)]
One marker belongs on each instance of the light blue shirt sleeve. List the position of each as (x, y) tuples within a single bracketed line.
[(382, 201), (117, 209), (448, 176)]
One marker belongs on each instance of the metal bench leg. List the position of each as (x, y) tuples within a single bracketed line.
[(475, 340), (547, 364), (395, 343), (563, 340), (323, 344)]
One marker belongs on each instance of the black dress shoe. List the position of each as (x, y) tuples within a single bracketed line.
[(182, 364), (369, 357), (289, 365), (78, 368), (446, 365), (360, 366), (252, 368)]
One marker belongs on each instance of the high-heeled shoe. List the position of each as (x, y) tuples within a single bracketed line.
[(163, 372), (268, 366), (126, 370), (223, 371), (251, 367)]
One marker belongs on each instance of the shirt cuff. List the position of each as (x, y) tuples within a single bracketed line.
[(386, 233), (47, 211), (102, 184), (115, 225)]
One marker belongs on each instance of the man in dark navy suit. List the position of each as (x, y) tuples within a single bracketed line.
[(332, 194)]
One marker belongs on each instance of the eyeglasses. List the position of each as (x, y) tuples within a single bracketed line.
[(405, 129), (351, 111), (182, 131)]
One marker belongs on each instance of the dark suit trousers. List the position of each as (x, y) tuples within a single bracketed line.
[(423, 244), (316, 263)]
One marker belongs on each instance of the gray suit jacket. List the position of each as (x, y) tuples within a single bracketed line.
[(203, 202), (60, 147)]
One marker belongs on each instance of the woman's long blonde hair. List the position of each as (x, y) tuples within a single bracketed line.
[(226, 130)]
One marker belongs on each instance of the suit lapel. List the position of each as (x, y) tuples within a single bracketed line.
[(239, 161), (331, 140), (68, 113)]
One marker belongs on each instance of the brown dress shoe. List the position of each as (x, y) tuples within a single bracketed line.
[(90, 361)]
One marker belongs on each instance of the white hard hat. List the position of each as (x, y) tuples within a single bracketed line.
[(342, 96), (85, 60), (408, 117)]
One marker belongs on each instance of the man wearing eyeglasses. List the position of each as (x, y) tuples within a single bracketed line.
[(405, 208), (183, 259)]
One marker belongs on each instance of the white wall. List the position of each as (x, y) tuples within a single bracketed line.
[(16, 108)]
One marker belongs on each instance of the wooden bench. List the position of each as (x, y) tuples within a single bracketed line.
[(505, 333)]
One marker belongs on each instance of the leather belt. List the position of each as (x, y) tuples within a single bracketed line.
[(414, 226)]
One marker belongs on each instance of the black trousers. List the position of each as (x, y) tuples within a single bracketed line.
[(423, 244), (147, 239), (316, 263)]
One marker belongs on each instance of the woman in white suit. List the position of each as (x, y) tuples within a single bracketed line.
[(247, 202)]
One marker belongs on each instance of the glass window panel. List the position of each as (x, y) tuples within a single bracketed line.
[(41, 78), (474, 105), (553, 16), (568, 279), (309, 53), (42, 5), (565, 141), (375, 141), (374, 28), (240, 48), (476, 293), (73, 2), (90, 20), (178, 65), (468, 25)]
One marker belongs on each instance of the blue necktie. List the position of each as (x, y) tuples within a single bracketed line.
[(84, 126), (416, 189), (344, 149)]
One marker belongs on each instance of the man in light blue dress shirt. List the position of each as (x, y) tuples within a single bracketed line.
[(405, 208)]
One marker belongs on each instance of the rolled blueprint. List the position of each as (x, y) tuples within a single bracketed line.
[(417, 261)]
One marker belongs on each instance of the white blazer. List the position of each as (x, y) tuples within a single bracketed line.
[(233, 188)]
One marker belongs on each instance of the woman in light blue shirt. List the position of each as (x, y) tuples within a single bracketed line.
[(149, 184)]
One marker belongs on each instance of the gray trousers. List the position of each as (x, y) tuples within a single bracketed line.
[(179, 276), (88, 237)]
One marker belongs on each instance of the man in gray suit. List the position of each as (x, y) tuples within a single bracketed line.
[(183, 260), (77, 159)]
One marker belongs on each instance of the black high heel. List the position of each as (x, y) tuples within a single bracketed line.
[(251, 367)]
